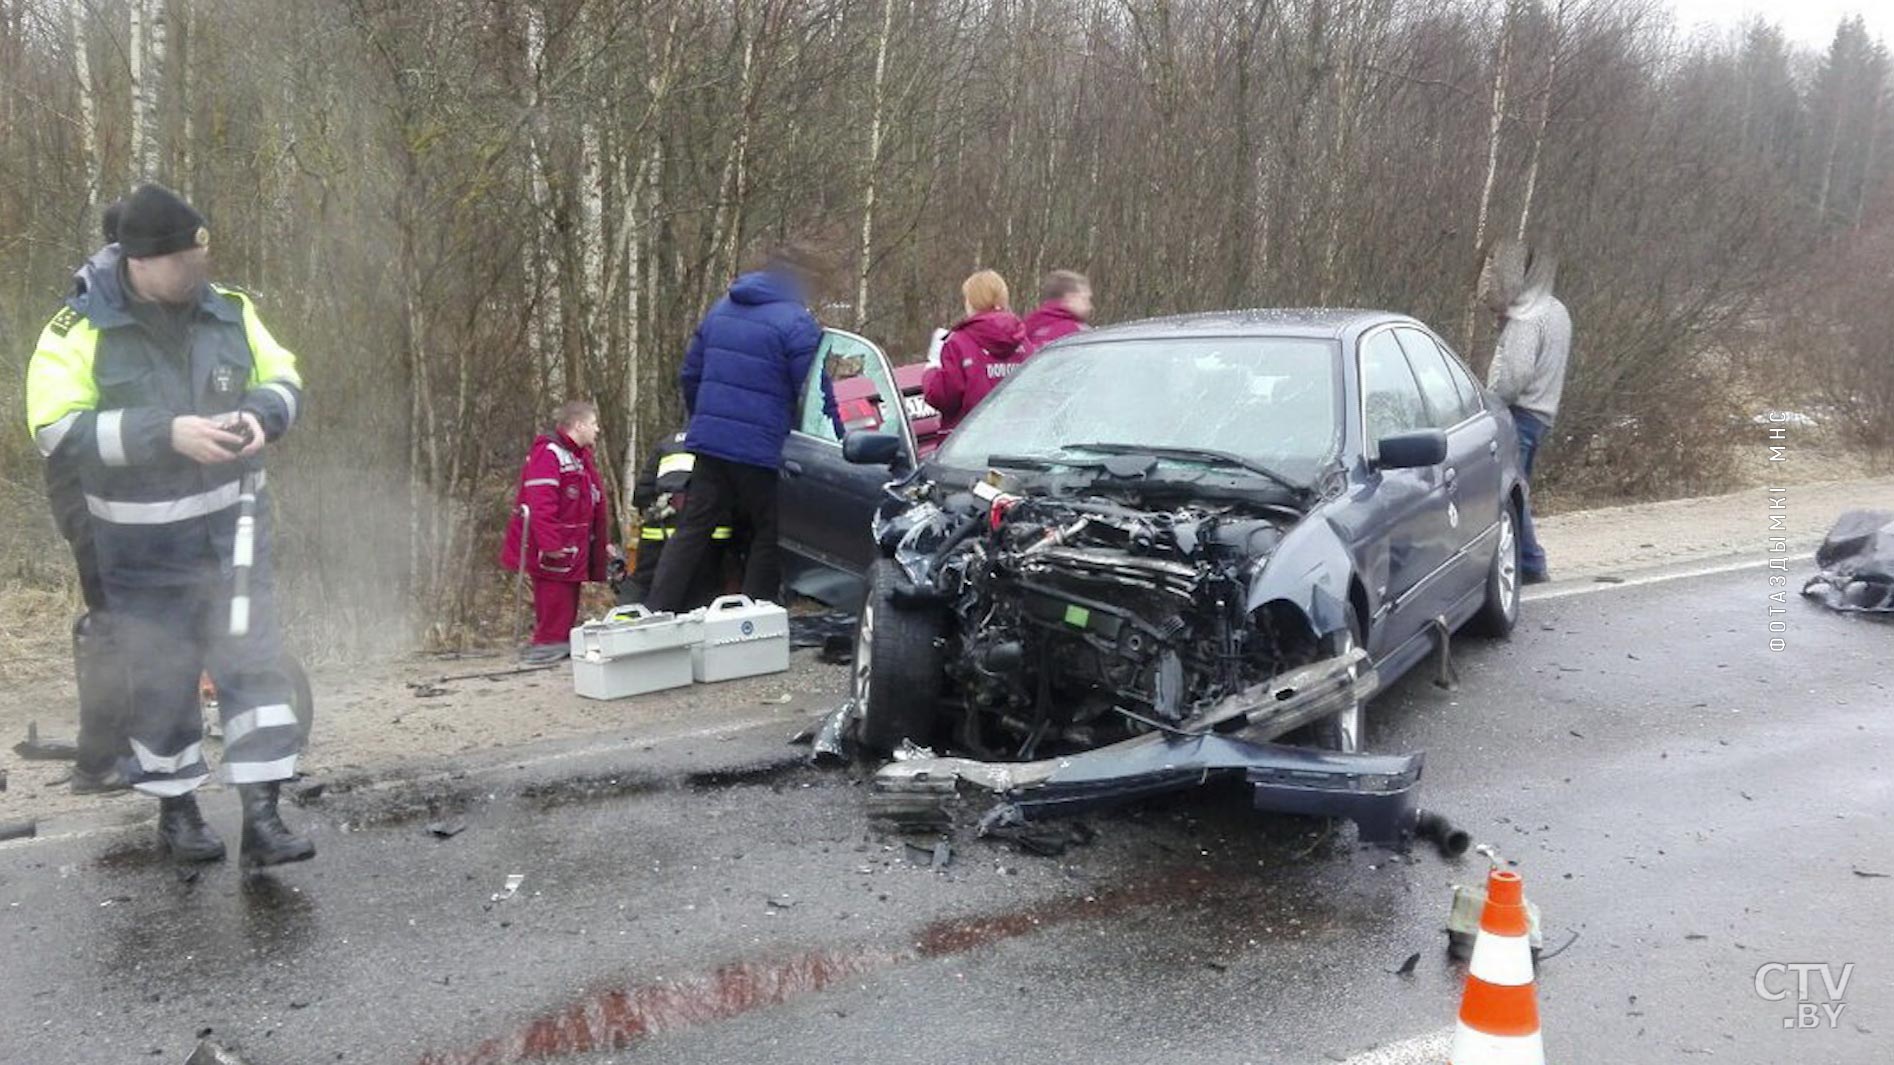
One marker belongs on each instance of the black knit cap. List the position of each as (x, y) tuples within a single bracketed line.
[(156, 221)]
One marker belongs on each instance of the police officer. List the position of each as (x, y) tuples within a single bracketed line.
[(661, 493), (103, 753), (163, 390)]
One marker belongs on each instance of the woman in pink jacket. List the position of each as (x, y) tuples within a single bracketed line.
[(560, 533), (980, 351)]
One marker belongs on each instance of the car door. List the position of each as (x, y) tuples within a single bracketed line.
[(826, 503), (1403, 534), (1471, 472)]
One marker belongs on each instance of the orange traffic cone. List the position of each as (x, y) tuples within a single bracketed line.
[(1499, 1010)]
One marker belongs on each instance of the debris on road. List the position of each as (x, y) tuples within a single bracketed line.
[(1438, 830), (829, 740), (1857, 563), (1045, 840), (447, 829), (513, 882), (779, 902), (818, 630), (34, 749), (913, 804), (211, 1053), (1871, 875), (1407, 967), (1463, 921), (935, 857)]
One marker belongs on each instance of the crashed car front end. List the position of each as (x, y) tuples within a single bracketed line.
[(1078, 620), (1101, 646)]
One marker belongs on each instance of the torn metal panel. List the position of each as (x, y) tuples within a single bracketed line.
[(1857, 561), (829, 742), (1377, 792)]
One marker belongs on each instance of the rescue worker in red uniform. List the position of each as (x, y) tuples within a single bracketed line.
[(560, 532), (981, 351), (162, 390), (1065, 307), (662, 491)]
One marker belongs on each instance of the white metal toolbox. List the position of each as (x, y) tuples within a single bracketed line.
[(741, 638), (632, 651)]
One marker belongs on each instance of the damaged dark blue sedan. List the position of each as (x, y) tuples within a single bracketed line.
[(1164, 538)]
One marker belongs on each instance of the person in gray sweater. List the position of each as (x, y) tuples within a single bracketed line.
[(1529, 360)]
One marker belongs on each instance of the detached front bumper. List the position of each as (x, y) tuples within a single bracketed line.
[(1377, 792)]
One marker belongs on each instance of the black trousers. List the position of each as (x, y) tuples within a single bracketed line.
[(104, 686), (722, 491), (705, 585)]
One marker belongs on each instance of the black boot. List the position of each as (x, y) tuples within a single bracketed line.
[(266, 839), (182, 830)]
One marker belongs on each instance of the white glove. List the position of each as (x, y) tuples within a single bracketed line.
[(934, 345)]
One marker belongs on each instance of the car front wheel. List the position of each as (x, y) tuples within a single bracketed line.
[(897, 678)]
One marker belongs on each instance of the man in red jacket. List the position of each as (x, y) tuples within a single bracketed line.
[(1065, 306), (560, 533)]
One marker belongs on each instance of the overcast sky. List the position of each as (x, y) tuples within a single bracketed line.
[(1810, 22)]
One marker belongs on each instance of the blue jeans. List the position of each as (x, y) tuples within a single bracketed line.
[(1531, 431)]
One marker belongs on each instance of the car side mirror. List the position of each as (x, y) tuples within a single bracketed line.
[(872, 449), (1412, 451)]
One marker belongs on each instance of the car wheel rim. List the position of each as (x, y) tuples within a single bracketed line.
[(864, 654), (1508, 562), (1348, 722)]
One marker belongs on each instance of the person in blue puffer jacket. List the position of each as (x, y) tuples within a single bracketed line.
[(742, 375)]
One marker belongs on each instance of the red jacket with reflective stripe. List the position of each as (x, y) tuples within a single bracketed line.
[(569, 520)]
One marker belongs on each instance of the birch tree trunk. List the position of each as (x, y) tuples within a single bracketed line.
[(873, 165), (88, 105), (728, 232), (1545, 117), (543, 292), (139, 70), (1495, 123)]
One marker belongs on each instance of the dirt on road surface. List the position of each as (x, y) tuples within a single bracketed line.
[(401, 717)]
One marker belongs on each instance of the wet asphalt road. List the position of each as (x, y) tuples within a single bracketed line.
[(1691, 804)]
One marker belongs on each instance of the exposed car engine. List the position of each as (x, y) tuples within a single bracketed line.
[(1080, 619)]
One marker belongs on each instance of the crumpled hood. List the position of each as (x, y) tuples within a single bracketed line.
[(765, 287), (999, 333)]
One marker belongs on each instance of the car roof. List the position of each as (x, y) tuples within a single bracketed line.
[(1323, 322)]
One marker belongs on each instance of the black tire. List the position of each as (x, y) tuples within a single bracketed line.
[(896, 678), (1500, 612)]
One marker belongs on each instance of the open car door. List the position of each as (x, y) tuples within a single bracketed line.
[(826, 503)]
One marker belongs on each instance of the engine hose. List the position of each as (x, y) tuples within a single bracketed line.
[(1438, 830)]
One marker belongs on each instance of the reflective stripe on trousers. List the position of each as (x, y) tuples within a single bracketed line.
[(655, 532)]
